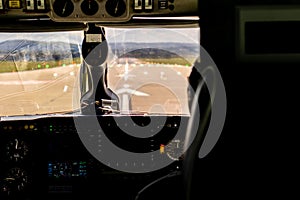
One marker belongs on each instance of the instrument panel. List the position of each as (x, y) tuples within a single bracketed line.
[(90, 10), (45, 157), (112, 11)]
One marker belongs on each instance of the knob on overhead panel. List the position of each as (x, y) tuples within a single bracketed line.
[(115, 8)]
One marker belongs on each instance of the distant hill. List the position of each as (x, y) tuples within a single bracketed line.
[(151, 53), (181, 49), (36, 51)]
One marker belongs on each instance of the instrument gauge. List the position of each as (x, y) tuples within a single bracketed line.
[(16, 181), (115, 8), (63, 8), (17, 150), (89, 7), (174, 149)]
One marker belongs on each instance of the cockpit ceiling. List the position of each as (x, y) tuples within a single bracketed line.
[(100, 11)]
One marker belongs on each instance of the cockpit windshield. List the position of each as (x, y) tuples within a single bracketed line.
[(38, 72), (147, 68)]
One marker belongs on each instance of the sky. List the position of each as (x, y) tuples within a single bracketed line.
[(182, 35), (71, 36)]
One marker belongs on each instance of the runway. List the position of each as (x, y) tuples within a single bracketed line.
[(38, 91), (149, 88)]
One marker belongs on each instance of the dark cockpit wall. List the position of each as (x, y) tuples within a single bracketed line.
[(253, 136)]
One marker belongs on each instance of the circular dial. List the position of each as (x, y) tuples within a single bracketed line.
[(63, 8), (174, 149), (15, 181), (89, 7), (115, 8), (16, 150)]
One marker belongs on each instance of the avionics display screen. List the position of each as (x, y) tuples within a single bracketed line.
[(67, 170), (275, 37), (268, 34)]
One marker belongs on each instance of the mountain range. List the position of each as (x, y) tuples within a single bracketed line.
[(181, 49), (29, 50)]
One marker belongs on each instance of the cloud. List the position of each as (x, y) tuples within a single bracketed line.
[(149, 35)]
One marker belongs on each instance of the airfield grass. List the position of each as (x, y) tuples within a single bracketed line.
[(9, 66), (171, 61)]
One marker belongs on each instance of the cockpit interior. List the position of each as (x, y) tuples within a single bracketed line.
[(131, 99)]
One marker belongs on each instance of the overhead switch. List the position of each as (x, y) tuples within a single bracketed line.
[(148, 4), (14, 4), (1, 5), (29, 4), (41, 5), (137, 4), (162, 4)]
